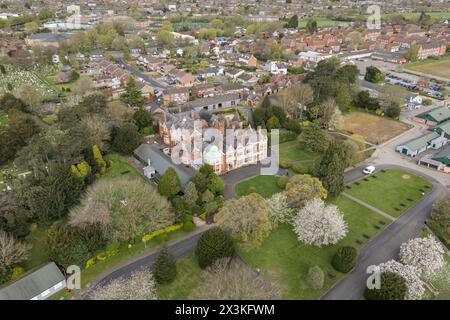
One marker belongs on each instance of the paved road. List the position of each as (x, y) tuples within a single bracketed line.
[(156, 84), (179, 247), (386, 245)]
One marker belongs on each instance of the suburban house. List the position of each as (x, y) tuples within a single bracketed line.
[(418, 145), (35, 285), (434, 117), (183, 78), (248, 60), (275, 67), (175, 95), (203, 90), (233, 73)]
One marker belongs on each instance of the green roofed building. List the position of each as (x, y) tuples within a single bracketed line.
[(434, 117), (413, 147), (443, 157), (443, 128), (38, 284)]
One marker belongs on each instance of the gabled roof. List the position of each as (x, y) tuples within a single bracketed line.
[(421, 142), (438, 115), (443, 156), (33, 283)]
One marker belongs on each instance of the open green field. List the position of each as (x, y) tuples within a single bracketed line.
[(322, 22), (188, 278), (293, 151), (38, 254), (439, 67), (392, 191), (290, 259), (266, 186), (119, 166)]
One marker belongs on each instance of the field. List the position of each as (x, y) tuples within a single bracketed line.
[(392, 191), (290, 259), (188, 277), (266, 186), (119, 166), (322, 22), (374, 129), (292, 151), (433, 67)]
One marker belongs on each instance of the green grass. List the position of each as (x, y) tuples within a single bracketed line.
[(38, 254), (119, 166), (292, 151), (290, 259), (389, 189), (188, 278), (321, 22), (3, 118), (266, 186)]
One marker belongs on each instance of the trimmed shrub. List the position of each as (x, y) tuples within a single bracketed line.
[(315, 278), (344, 259), (165, 266), (188, 226), (392, 287), (282, 181), (214, 244)]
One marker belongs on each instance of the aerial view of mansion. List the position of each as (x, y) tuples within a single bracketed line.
[(241, 145)]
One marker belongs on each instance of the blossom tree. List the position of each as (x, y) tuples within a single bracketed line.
[(426, 254), (318, 224), (410, 273), (140, 286), (279, 210)]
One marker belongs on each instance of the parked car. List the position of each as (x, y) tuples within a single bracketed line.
[(369, 170)]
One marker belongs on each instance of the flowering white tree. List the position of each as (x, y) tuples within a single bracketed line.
[(426, 254), (279, 210), (318, 224), (140, 286), (415, 285)]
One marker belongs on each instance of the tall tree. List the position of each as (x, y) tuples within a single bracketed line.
[(332, 166), (165, 269), (132, 95), (169, 184)]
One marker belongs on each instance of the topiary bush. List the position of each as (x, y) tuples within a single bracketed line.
[(165, 269), (214, 244), (344, 259), (282, 181), (315, 278), (392, 287)]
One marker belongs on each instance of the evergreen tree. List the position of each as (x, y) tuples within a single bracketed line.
[(292, 22), (169, 184), (214, 244), (165, 266), (190, 193), (126, 139), (101, 163), (314, 138), (332, 166), (132, 95), (392, 287)]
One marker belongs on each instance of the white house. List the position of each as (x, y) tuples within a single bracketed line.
[(275, 67)]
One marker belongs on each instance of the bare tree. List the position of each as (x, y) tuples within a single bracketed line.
[(140, 286), (98, 132), (12, 251), (232, 280), (304, 95), (83, 85)]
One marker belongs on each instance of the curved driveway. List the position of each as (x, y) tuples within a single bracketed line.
[(386, 245)]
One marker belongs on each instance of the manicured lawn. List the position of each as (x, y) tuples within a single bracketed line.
[(188, 278), (38, 254), (293, 151), (392, 191), (266, 186), (321, 22), (119, 166), (373, 128), (290, 259)]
